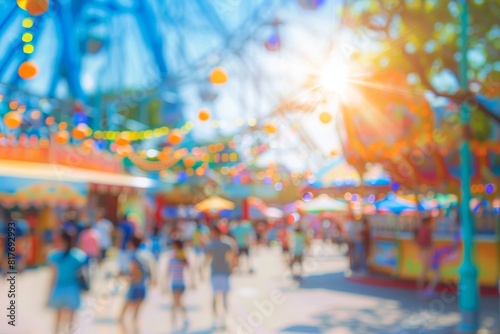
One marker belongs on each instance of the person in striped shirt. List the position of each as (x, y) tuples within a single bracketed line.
[(176, 265)]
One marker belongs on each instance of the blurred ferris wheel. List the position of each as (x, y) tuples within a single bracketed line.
[(136, 64)]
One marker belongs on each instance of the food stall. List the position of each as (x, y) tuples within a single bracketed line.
[(395, 253), (42, 183)]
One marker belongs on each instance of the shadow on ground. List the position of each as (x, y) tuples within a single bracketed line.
[(397, 311)]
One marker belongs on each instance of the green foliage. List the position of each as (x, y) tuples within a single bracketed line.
[(153, 110), (481, 125), (422, 36)]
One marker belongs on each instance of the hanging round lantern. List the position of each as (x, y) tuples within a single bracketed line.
[(80, 131), (124, 150), (61, 137), (311, 4), (13, 119), (270, 128), (218, 76), (273, 42), (88, 145), (34, 7), (204, 115), (175, 137), (189, 161), (123, 139), (28, 70), (325, 117)]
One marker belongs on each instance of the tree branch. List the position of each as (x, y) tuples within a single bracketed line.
[(458, 97)]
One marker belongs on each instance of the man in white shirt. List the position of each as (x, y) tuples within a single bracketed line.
[(104, 228)]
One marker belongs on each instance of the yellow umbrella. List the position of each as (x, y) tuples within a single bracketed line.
[(214, 203)]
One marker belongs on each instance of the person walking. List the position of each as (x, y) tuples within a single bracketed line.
[(423, 239), (242, 231), (299, 245), (221, 255), (88, 241), (126, 231), (351, 238), (176, 267), (104, 228), (366, 239), (156, 243), (139, 274), (67, 264), (284, 238), (200, 239), (359, 238)]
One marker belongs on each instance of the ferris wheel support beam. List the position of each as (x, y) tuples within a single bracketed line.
[(207, 9), (7, 18), (147, 23), (70, 54)]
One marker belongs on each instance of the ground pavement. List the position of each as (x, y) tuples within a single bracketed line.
[(268, 301)]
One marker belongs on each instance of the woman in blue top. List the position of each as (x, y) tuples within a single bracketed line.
[(138, 275), (156, 243), (66, 264)]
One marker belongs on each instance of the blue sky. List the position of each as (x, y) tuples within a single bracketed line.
[(258, 79)]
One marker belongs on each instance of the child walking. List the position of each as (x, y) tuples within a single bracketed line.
[(176, 266), (139, 276)]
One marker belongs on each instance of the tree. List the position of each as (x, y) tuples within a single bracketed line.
[(420, 38)]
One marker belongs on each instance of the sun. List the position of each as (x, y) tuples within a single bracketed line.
[(334, 76)]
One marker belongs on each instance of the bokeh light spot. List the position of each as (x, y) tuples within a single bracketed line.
[(307, 197), (28, 70), (27, 37), (28, 49), (325, 117), (27, 23), (490, 188)]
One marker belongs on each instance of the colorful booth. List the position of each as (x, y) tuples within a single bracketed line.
[(395, 253), (43, 183)]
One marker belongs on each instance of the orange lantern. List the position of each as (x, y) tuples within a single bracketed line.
[(175, 137), (270, 128), (62, 126), (62, 137), (218, 76), (124, 150), (28, 70), (88, 145), (189, 161), (325, 117), (34, 7), (204, 115), (80, 131), (123, 139), (13, 119)]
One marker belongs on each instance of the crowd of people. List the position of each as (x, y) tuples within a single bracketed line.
[(192, 246)]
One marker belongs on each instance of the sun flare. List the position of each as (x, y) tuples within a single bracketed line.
[(335, 75)]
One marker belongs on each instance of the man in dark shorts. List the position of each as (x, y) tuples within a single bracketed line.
[(220, 254)]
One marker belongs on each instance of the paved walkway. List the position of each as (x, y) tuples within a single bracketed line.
[(268, 301)]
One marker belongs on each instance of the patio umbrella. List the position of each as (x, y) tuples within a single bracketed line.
[(446, 200), (395, 204), (273, 213), (214, 203), (324, 203)]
